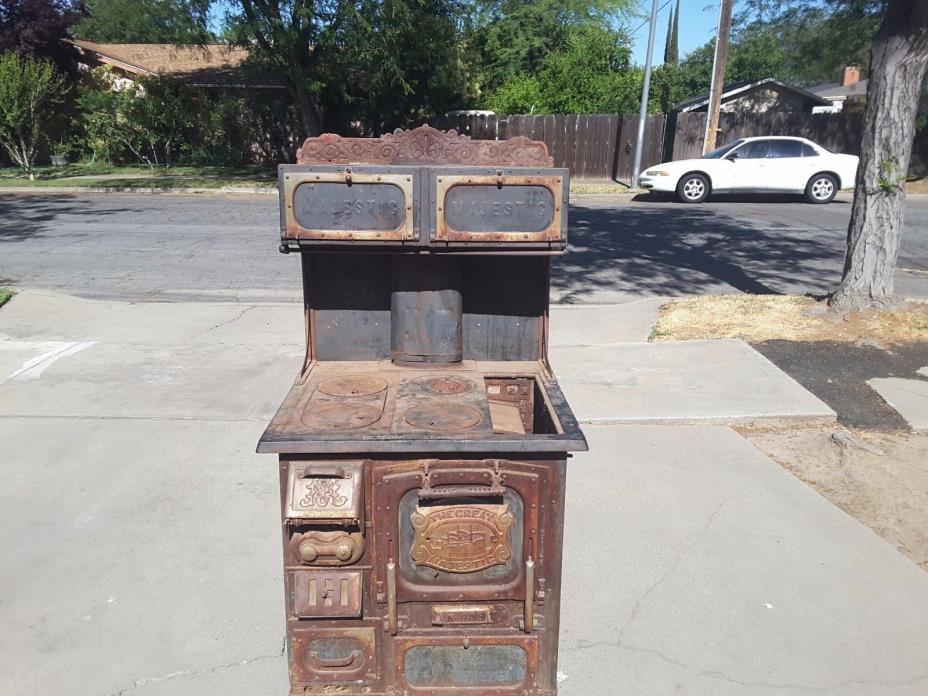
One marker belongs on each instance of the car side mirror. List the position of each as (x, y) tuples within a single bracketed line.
[(733, 157)]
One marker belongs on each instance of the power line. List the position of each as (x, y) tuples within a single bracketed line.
[(648, 21)]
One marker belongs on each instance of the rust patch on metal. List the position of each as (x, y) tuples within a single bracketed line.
[(325, 492), (362, 385), (443, 417), (424, 145), (461, 538), (339, 415), (447, 385)]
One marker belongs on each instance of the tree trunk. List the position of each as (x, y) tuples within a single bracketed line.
[(897, 70), (310, 110)]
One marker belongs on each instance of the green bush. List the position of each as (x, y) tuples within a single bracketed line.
[(162, 122), (30, 92)]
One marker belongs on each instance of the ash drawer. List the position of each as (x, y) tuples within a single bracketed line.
[(333, 655)]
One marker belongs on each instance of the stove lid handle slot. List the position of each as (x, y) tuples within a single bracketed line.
[(325, 472)]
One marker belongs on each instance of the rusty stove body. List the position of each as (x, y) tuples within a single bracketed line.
[(423, 446)]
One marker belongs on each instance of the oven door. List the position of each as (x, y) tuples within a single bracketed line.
[(456, 530)]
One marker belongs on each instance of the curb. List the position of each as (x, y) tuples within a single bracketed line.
[(264, 190), (147, 190)]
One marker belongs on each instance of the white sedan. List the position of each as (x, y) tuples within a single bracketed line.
[(756, 165)]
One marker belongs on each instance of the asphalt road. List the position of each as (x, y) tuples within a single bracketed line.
[(224, 247)]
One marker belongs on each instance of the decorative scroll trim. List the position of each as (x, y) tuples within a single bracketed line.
[(424, 145)]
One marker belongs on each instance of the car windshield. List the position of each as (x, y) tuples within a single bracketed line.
[(722, 151)]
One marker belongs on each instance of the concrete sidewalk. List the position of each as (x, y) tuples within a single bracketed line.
[(140, 529)]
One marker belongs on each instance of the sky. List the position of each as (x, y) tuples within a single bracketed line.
[(698, 22)]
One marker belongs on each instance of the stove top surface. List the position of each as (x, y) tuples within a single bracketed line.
[(378, 406), (409, 401)]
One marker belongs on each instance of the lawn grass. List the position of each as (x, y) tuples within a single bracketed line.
[(86, 174), (160, 182), (5, 295)]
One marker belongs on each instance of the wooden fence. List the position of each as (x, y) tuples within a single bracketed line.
[(602, 146), (592, 146)]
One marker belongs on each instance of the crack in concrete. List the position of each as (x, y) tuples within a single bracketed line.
[(147, 681), (716, 674), (228, 321), (639, 603)]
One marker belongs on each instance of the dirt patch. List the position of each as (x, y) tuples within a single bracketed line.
[(837, 373), (879, 478), (790, 317), (917, 186)]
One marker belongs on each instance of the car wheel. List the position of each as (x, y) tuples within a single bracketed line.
[(822, 188), (693, 188)]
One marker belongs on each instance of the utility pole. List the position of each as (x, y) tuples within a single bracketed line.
[(645, 90), (718, 76)]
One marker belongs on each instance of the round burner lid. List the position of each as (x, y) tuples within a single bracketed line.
[(359, 385), (342, 415), (447, 386), (443, 416)]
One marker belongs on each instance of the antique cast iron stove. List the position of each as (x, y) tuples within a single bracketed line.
[(423, 446)]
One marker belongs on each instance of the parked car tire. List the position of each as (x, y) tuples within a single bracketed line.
[(822, 188), (693, 188)]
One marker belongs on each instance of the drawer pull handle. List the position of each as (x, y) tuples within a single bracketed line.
[(336, 662), (391, 597), (529, 618)]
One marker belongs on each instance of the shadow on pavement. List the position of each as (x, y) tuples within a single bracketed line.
[(29, 216), (684, 249)]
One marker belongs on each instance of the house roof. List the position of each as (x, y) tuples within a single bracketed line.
[(735, 88), (835, 90), (212, 65)]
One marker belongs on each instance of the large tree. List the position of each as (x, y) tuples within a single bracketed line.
[(295, 38), (592, 73), (672, 45), (374, 63), (897, 72), (896, 33), (514, 37), (146, 21), (38, 28), (816, 37)]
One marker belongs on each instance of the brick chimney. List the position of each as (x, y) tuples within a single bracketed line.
[(850, 76)]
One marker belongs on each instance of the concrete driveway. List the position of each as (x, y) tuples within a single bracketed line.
[(141, 550), (208, 247)]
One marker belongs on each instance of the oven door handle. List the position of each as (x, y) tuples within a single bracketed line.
[(455, 491), (472, 488), (528, 618), (392, 619)]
